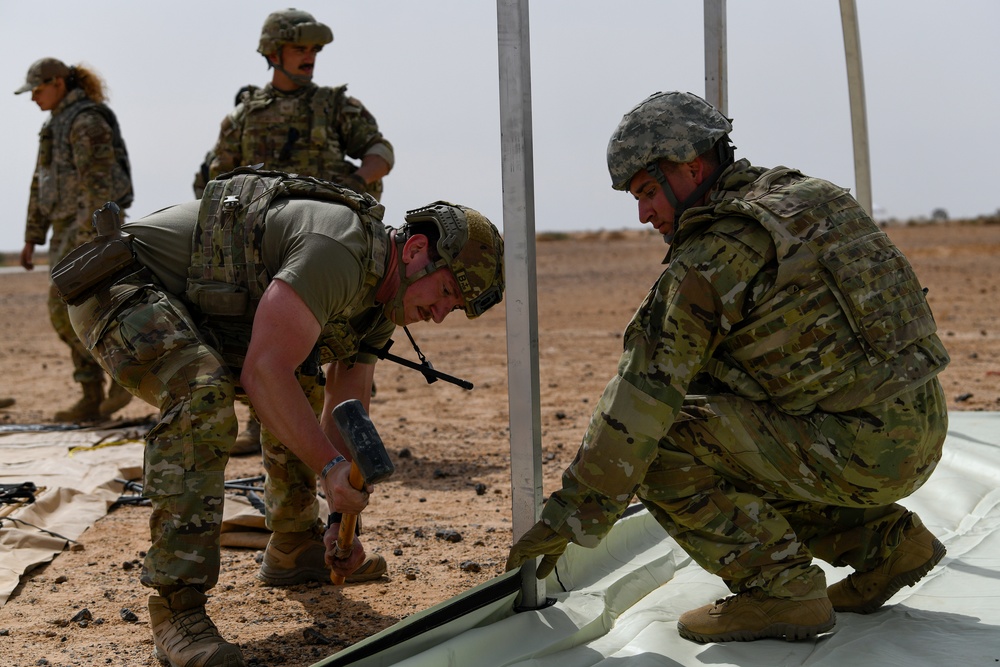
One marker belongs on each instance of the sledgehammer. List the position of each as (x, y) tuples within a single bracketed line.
[(370, 464)]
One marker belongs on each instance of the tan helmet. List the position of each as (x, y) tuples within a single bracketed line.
[(470, 247), (291, 26)]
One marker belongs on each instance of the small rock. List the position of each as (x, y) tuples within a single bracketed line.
[(470, 566), (127, 565), (82, 615), (62, 579), (448, 535), (961, 398), (315, 636), (480, 489), (397, 552), (439, 474), (411, 573), (128, 615), (405, 453), (560, 415), (418, 533)]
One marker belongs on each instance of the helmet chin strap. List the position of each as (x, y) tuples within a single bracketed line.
[(395, 306), (699, 192), (299, 80)]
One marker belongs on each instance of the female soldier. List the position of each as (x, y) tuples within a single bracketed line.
[(82, 164)]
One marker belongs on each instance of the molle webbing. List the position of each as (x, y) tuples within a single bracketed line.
[(845, 299), (227, 276)]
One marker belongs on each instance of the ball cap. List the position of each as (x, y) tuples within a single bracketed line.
[(41, 71)]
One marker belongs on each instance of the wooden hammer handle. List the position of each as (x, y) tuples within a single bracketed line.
[(348, 523)]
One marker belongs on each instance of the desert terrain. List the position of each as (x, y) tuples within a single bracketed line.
[(443, 521)]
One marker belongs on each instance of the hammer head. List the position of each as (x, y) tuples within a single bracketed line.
[(363, 441)]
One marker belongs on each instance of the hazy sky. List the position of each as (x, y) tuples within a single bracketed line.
[(428, 72)]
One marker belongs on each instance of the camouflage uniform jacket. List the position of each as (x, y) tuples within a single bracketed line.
[(781, 289), (311, 131), (77, 171)]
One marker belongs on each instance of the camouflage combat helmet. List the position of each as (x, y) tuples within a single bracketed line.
[(470, 247), (670, 126), (292, 26)]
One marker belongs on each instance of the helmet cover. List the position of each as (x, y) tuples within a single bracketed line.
[(670, 126), (291, 26)]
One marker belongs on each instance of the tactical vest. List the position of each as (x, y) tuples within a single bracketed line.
[(846, 322), (297, 133), (58, 178), (227, 276)]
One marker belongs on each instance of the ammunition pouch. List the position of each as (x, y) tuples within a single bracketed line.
[(92, 266), (216, 298)]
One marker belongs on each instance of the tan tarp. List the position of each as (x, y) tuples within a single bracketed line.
[(75, 472)]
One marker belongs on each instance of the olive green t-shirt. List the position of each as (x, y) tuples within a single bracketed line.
[(318, 248)]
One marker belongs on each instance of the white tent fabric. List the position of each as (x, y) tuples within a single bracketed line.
[(622, 600)]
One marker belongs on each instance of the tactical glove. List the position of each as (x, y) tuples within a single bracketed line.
[(540, 540)]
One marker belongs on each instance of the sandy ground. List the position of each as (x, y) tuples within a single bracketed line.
[(451, 449)]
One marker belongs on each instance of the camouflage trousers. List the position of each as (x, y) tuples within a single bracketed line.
[(754, 494), (151, 345), (85, 369), (290, 500)]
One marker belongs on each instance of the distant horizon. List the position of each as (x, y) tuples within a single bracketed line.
[(11, 258)]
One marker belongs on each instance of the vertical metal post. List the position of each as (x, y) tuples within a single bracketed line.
[(519, 249), (859, 114), (716, 73)]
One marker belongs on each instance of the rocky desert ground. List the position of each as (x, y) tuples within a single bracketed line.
[(443, 521)]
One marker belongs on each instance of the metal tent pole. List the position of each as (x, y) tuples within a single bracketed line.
[(716, 73), (859, 114), (519, 265)]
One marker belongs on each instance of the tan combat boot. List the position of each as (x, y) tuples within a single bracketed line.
[(118, 398), (184, 635), (295, 558), (248, 441), (88, 408), (864, 592), (754, 615)]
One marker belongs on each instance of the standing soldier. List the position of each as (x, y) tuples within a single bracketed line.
[(82, 164), (295, 126)]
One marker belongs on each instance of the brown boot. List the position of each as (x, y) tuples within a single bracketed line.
[(864, 592), (754, 615), (184, 635), (118, 398), (295, 558), (248, 441), (88, 408)]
